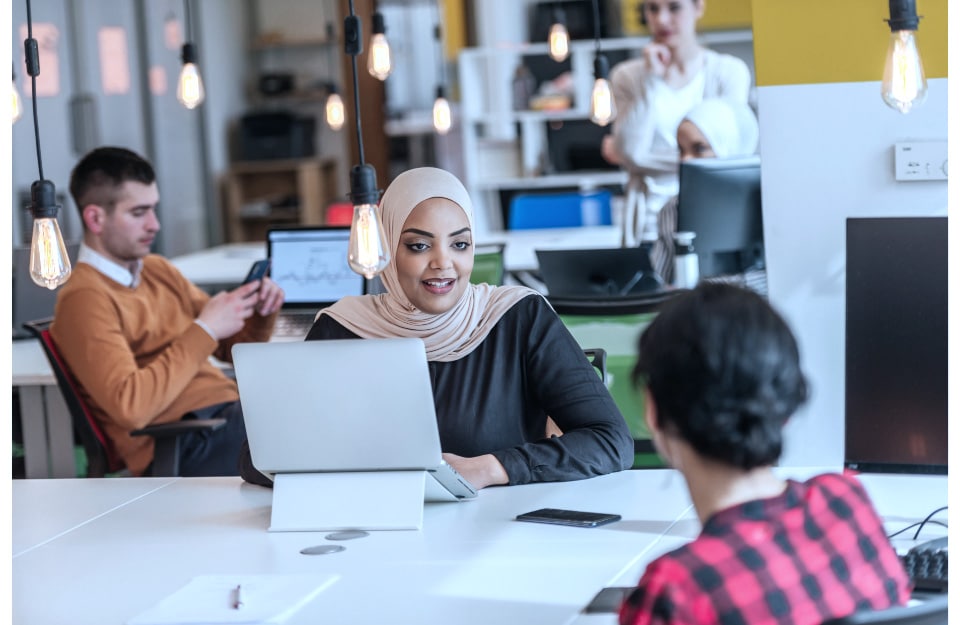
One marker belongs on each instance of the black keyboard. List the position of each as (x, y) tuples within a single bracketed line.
[(927, 569), (291, 324)]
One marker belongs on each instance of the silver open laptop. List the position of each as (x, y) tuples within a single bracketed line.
[(343, 406)]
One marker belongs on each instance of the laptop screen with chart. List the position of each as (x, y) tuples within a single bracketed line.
[(310, 265)]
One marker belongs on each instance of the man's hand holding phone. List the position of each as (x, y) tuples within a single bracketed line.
[(269, 295)]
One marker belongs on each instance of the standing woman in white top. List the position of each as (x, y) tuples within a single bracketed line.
[(653, 93)]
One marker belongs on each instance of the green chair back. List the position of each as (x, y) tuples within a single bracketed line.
[(617, 335), (488, 265)]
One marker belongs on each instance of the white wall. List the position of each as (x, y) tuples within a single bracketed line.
[(827, 152)]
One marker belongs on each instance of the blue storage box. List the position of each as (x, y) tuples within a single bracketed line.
[(559, 210)]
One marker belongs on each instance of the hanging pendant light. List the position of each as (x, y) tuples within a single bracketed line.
[(49, 263), (442, 118), (367, 253), (379, 61), (334, 113), (333, 108), (603, 109), (559, 38), (904, 83), (190, 91)]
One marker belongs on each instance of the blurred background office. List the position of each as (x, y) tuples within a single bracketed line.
[(829, 144)]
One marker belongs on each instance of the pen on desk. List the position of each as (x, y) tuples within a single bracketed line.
[(237, 598)]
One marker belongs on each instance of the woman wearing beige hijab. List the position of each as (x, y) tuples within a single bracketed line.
[(500, 359)]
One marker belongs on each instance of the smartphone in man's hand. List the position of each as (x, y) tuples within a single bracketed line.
[(258, 270)]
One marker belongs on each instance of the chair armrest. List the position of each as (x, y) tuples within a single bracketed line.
[(176, 428)]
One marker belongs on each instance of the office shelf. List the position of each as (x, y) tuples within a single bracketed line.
[(259, 194)]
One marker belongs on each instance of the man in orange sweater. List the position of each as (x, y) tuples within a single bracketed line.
[(137, 335)]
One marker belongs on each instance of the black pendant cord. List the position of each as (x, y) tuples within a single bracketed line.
[(596, 23), (438, 33), (33, 68), (356, 94), (187, 25)]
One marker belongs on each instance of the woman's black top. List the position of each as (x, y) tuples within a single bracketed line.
[(497, 398)]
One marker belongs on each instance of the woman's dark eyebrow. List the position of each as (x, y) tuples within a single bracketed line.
[(420, 232), (431, 235)]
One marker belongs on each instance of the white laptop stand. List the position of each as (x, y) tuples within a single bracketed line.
[(366, 500)]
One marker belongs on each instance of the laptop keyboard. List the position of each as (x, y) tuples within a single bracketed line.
[(293, 324)]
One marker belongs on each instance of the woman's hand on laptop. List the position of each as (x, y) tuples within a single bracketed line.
[(480, 471)]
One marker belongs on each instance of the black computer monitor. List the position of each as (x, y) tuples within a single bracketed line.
[(719, 200), (597, 273), (896, 345)]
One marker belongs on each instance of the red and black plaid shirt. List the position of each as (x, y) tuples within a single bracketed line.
[(817, 551)]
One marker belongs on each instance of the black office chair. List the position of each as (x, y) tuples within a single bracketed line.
[(598, 358), (931, 611), (102, 458)]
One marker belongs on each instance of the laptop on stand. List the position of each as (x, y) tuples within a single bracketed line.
[(347, 430), (310, 265)]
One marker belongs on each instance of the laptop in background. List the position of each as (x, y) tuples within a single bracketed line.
[(30, 301), (598, 273), (310, 265), (306, 410)]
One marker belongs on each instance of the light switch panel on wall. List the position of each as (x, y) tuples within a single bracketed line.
[(920, 160)]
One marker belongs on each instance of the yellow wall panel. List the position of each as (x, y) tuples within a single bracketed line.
[(719, 14), (825, 41), (454, 27)]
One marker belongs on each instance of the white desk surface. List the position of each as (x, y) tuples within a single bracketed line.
[(471, 563), (41, 516)]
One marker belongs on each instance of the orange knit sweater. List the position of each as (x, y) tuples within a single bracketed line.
[(137, 353)]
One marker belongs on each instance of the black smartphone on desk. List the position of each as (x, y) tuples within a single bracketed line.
[(574, 518), (257, 271), (608, 600)]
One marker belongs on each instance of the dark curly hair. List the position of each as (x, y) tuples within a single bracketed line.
[(724, 371), (97, 178)]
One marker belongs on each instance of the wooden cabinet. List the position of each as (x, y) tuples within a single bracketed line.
[(261, 194)]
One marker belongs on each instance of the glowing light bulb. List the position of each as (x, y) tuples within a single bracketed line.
[(49, 263), (367, 254), (379, 63), (17, 104), (442, 119), (559, 40), (190, 86), (334, 111), (904, 84), (602, 107)]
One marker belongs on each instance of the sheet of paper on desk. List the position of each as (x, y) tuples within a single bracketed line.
[(210, 599)]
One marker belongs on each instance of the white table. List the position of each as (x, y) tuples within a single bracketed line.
[(471, 563), (47, 429), (101, 551)]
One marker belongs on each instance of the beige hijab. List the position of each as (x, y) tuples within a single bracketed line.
[(450, 335)]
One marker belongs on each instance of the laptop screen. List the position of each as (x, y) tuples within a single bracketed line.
[(310, 265)]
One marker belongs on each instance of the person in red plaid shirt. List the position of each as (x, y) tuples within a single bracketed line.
[(721, 375)]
